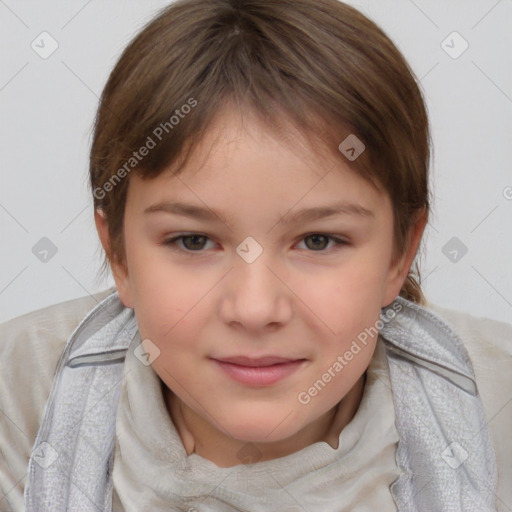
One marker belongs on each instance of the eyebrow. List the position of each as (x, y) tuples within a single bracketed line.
[(297, 217)]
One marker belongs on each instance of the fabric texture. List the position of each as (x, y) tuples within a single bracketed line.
[(445, 446), (30, 347), (73, 456)]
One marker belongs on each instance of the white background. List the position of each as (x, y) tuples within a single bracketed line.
[(48, 106)]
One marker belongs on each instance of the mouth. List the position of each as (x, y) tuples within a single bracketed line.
[(263, 371)]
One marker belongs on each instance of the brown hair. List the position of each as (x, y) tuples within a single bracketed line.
[(318, 65)]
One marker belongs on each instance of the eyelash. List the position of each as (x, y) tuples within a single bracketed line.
[(171, 243)]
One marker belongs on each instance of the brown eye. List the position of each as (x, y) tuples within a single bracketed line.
[(187, 244), (193, 242), (317, 241)]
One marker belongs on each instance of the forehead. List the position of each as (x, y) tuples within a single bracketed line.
[(241, 159)]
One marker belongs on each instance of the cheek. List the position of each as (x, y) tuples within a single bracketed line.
[(159, 290), (167, 316), (170, 306), (345, 300)]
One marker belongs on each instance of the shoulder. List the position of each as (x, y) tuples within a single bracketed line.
[(30, 348), (487, 341), (37, 339), (489, 345)]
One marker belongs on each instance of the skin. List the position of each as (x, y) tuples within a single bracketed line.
[(303, 297)]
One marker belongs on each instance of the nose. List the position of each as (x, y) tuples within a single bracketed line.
[(255, 296)]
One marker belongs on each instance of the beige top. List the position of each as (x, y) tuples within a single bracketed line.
[(150, 461)]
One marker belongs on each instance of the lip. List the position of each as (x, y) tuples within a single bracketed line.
[(256, 361), (264, 371)]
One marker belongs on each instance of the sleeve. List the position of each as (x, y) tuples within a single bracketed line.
[(489, 344), (30, 348)]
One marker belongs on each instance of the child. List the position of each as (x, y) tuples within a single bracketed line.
[(258, 372)]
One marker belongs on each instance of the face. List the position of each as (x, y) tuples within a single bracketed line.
[(240, 269)]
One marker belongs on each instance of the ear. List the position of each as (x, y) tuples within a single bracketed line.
[(400, 266), (119, 271)]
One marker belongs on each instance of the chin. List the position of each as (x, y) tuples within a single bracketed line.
[(260, 428)]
